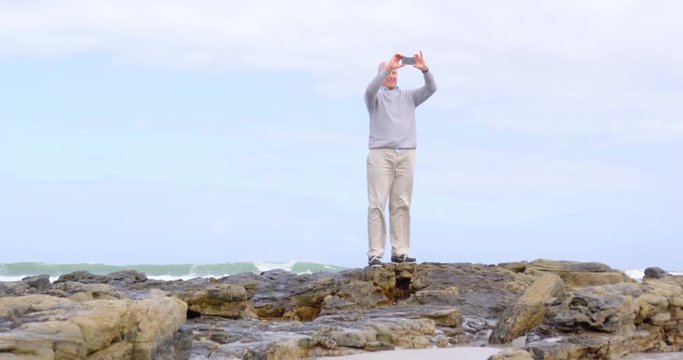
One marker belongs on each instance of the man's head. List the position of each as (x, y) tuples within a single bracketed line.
[(392, 79)]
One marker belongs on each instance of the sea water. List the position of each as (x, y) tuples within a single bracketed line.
[(17, 271)]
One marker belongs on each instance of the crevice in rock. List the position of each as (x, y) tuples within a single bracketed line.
[(402, 291), (193, 314), (308, 313)]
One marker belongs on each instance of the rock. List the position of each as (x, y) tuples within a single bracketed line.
[(593, 346), (512, 354), (158, 319), (661, 319), (285, 351), (120, 350), (119, 277), (127, 276), (383, 277), (666, 287), (439, 296), (568, 266), (84, 277), (14, 288), (249, 281), (474, 325), (45, 340), (292, 297), (655, 273), (51, 327), (598, 308), (224, 300), (40, 282), (362, 293), (580, 274), (649, 305), (402, 332), (489, 289), (83, 292), (335, 305), (443, 316), (281, 315), (354, 338), (12, 308), (442, 342), (561, 351), (448, 317), (516, 267), (528, 311)]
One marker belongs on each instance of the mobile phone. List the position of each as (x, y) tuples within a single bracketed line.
[(408, 60)]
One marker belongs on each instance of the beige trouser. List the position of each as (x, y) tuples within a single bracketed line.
[(390, 176)]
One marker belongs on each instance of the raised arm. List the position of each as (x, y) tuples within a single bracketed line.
[(376, 83), (373, 88), (429, 88)]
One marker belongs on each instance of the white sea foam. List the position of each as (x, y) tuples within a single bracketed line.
[(266, 266), (636, 274)]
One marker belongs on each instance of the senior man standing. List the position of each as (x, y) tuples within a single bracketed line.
[(391, 161)]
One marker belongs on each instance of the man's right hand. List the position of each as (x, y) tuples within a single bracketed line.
[(394, 63)]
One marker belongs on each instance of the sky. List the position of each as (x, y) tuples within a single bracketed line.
[(208, 132)]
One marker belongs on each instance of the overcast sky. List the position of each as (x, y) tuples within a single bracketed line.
[(213, 131)]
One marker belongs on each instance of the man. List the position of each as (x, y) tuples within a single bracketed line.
[(391, 160)]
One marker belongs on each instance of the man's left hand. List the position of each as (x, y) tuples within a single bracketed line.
[(420, 62)]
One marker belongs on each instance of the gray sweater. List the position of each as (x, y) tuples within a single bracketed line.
[(392, 112)]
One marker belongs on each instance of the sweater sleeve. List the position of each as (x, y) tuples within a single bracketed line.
[(423, 93), (373, 88)]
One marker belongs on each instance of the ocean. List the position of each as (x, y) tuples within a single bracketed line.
[(17, 271)]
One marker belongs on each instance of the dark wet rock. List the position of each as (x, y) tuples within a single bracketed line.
[(84, 277), (40, 282), (478, 290), (655, 273), (120, 277), (29, 285), (292, 297), (126, 276), (13, 288)]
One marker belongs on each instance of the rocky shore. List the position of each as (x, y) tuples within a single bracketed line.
[(533, 310)]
